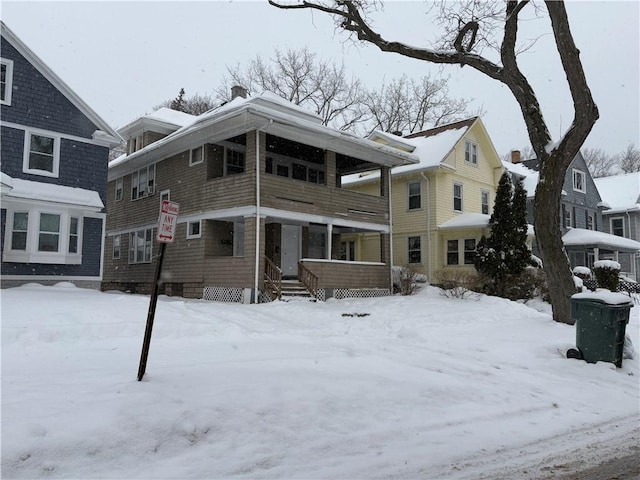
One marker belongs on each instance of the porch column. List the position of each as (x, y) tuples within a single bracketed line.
[(385, 248), (329, 240), (384, 182), (596, 254)]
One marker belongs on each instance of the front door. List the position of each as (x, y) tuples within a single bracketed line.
[(291, 244)]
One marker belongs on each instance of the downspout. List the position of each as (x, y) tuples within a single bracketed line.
[(632, 257), (257, 262), (428, 226), (390, 229)]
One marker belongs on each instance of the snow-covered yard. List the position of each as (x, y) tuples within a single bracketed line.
[(398, 387)]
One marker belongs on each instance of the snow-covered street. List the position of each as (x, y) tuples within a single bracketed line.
[(393, 387)]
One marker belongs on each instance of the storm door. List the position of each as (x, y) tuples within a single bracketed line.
[(291, 246)]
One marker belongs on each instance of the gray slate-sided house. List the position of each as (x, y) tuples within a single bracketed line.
[(581, 213), (258, 183), (621, 215), (54, 151)]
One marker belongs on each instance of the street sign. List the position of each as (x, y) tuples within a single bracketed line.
[(168, 221)]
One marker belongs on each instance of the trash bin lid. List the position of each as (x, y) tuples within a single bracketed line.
[(603, 296)]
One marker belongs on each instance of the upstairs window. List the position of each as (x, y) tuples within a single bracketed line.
[(579, 181), (196, 156), (142, 182), (119, 188), (6, 81), (415, 197), (135, 143), (617, 226), (42, 154), (471, 152), (484, 200), (457, 197), (234, 161)]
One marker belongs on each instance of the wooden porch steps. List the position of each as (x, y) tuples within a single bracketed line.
[(294, 290)]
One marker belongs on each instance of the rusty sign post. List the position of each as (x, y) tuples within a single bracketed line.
[(166, 233)]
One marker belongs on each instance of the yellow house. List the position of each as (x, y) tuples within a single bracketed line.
[(441, 206)]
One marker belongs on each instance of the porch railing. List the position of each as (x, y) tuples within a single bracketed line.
[(273, 279), (308, 279)]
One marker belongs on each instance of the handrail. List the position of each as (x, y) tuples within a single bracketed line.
[(308, 279), (273, 279)]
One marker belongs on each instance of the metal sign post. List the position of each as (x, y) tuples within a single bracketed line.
[(166, 233)]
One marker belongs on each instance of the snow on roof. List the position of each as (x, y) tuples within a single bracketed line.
[(6, 181), (620, 192), (466, 220), (581, 236), (169, 115), (48, 192), (529, 176)]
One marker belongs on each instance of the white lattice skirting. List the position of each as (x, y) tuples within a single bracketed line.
[(341, 293), (223, 294)]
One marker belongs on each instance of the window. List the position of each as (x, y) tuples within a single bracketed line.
[(49, 236), (415, 198), (140, 246), (19, 232), (196, 156), (452, 252), (578, 181), (589, 221), (471, 152), (469, 251), (193, 229), (119, 188), (457, 197), (617, 226), (135, 143), (116, 246), (414, 250), (566, 216), (41, 154), (234, 161), (484, 200), (165, 195), (142, 182), (6, 81), (74, 234), (348, 250)]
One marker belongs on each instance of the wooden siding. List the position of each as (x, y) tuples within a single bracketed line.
[(339, 274)]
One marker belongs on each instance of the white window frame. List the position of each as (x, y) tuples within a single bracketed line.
[(471, 152), (456, 251), (135, 142), (483, 194), (117, 247), (119, 188), (457, 184), (194, 235), (465, 251), (590, 221), (27, 154), (31, 253), (150, 186), (191, 156), (579, 174), (410, 195), (8, 84), (147, 251), (409, 249), (624, 227)]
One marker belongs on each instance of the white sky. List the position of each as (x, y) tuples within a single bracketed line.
[(123, 58)]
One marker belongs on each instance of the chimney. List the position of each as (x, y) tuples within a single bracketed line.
[(238, 91), (397, 133), (515, 156)]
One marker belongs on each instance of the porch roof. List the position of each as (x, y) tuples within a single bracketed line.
[(592, 238)]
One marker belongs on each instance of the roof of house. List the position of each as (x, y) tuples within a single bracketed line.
[(529, 176), (105, 133), (269, 113), (620, 192), (52, 193), (581, 236)]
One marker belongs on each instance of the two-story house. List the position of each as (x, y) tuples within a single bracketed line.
[(441, 205), (54, 152), (581, 220), (258, 183)]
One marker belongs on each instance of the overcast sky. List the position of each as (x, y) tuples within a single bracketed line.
[(123, 58)]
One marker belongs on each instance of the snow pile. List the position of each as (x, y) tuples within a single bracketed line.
[(394, 387)]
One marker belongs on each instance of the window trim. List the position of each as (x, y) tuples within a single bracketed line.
[(132, 247), (482, 202), (151, 181), (583, 176), (457, 184), (624, 227), (465, 251), (28, 133), (410, 195), (8, 81), (471, 152), (191, 162), (456, 251), (195, 235), (409, 250)]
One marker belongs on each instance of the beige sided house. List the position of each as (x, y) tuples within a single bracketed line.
[(258, 181), (441, 205)]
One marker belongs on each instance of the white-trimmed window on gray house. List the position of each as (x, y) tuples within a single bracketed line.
[(142, 182), (567, 217), (41, 154), (453, 252), (135, 142), (617, 226), (414, 250), (471, 152), (589, 220), (196, 155), (194, 229), (37, 236), (484, 201), (119, 188), (140, 246), (457, 197), (117, 245), (414, 195), (6, 81), (469, 251), (579, 181)]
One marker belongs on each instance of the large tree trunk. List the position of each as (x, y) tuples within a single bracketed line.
[(549, 238)]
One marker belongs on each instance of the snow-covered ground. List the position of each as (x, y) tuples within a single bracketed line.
[(399, 387)]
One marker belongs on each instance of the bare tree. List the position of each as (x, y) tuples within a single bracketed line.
[(473, 26), (599, 163), (196, 104), (629, 160)]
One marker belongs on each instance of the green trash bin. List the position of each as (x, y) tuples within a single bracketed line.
[(601, 319)]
